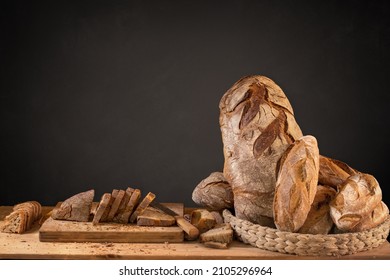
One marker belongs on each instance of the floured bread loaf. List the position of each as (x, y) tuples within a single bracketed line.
[(75, 208), (257, 124), (318, 220), (297, 184), (214, 192), (358, 204)]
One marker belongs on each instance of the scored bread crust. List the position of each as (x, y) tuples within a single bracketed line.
[(333, 172), (257, 124), (214, 192), (357, 204), (296, 185)]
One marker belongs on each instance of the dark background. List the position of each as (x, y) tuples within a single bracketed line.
[(108, 94)]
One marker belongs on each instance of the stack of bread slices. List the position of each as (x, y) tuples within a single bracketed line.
[(22, 217), (119, 206)]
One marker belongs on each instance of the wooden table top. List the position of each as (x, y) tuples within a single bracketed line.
[(28, 246)]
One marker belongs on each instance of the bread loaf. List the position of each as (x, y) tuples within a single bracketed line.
[(333, 172), (123, 218), (257, 124), (296, 185), (75, 208), (318, 220), (213, 192), (357, 205)]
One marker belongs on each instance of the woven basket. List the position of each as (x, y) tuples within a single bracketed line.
[(307, 244)]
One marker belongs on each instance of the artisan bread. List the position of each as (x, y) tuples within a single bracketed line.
[(155, 217), (115, 205), (75, 208), (218, 237), (258, 125), (142, 206), (22, 217), (296, 185), (135, 197), (104, 217), (203, 220), (333, 172), (214, 192), (358, 205), (318, 220), (101, 209), (122, 207)]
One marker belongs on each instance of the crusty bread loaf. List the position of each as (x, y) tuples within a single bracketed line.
[(296, 185), (214, 192), (257, 124), (318, 220), (75, 208), (333, 172), (357, 204), (203, 220)]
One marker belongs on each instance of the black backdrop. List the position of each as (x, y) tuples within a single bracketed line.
[(106, 94)]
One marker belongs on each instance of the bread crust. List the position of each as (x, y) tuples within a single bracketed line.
[(257, 124), (214, 192), (358, 204), (296, 185)]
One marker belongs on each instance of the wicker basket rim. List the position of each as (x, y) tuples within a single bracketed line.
[(335, 235)]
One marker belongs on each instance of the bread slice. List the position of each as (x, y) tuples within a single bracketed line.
[(76, 208), (30, 212), (115, 205), (104, 201), (142, 206), (131, 205), (222, 233), (155, 217), (108, 208), (203, 220), (16, 222), (122, 207)]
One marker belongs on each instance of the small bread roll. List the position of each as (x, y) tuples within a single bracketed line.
[(214, 192), (357, 205)]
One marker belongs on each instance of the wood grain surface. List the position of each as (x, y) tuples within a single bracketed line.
[(69, 231), (28, 246)]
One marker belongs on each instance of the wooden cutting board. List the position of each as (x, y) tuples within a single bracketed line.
[(68, 231)]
